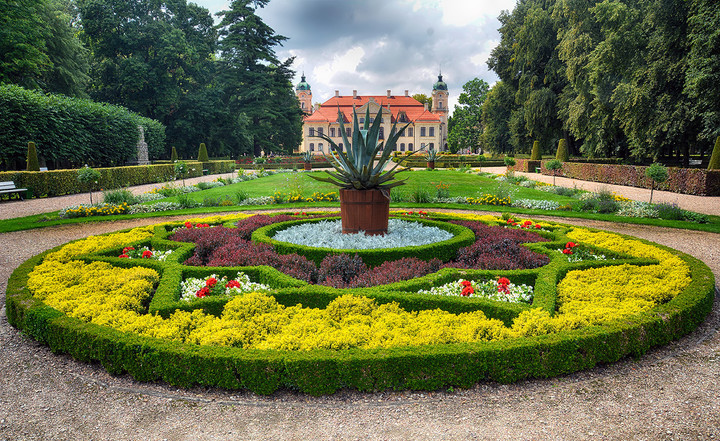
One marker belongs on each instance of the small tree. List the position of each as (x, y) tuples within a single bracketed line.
[(562, 155), (87, 177), (180, 169), (536, 155), (658, 173), (203, 154), (509, 162), (715, 158), (32, 159), (553, 165), (173, 155)]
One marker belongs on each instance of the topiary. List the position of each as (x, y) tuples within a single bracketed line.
[(562, 154), (715, 158), (658, 173), (553, 165), (536, 155), (32, 159), (203, 154), (173, 155)]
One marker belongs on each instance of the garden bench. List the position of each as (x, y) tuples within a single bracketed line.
[(8, 187)]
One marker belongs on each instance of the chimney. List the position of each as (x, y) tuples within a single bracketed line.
[(406, 93), (389, 93), (425, 106), (337, 93), (354, 94)]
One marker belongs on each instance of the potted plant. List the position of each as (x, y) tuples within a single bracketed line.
[(431, 155), (361, 176), (307, 158)]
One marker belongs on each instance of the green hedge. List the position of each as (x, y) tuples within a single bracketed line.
[(72, 130), (693, 181), (62, 182), (445, 250), (323, 372)]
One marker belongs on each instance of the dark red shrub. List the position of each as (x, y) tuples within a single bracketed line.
[(340, 269), (245, 227), (395, 271)]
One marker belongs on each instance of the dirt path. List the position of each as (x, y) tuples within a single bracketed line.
[(670, 393)]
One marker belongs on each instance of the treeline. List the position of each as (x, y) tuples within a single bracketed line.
[(636, 79), (163, 59)]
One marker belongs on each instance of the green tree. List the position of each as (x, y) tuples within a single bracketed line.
[(258, 92), (553, 165), (536, 153), (424, 99), (173, 155), (562, 153), (203, 153), (496, 113), (32, 158), (658, 174), (466, 130), (715, 158), (88, 177)]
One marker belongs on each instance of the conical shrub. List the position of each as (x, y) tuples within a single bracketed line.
[(203, 154), (562, 154), (715, 158), (536, 155), (173, 155), (32, 158)]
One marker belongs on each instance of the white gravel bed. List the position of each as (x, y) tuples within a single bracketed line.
[(328, 234), (671, 393)]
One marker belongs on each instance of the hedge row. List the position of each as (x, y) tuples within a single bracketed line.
[(72, 130), (445, 250), (323, 372), (693, 181), (62, 182)]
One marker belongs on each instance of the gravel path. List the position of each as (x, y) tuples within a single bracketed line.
[(671, 393)]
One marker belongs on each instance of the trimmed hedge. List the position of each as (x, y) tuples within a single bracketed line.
[(72, 130), (62, 182), (445, 250), (323, 372), (693, 181)]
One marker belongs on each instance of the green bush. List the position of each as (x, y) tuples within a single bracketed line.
[(120, 196), (715, 158), (536, 154), (203, 154), (562, 154), (32, 158), (79, 131), (173, 155)]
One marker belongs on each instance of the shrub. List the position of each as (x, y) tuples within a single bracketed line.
[(669, 212), (536, 154), (553, 165), (562, 154), (32, 158), (338, 270), (119, 196), (715, 158), (203, 154), (420, 195), (173, 155), (658, 174)]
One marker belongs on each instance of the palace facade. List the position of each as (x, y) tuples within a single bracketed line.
[(427, 129)]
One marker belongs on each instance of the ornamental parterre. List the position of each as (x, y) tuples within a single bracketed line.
[(470, 311)]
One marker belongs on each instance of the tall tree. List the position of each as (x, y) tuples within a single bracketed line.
[(257, 85), (467, 125), (496, 112)]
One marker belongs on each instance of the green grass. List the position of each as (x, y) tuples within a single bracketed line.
[(460, 184)]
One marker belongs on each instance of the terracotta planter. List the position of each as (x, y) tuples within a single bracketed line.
[(364, 210), (308, 166), (431, 165)]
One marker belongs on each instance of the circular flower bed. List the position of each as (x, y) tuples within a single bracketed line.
[(224, 311)]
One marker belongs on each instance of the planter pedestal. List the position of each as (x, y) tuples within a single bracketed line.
[(308, 166), (431, 165), (364, 210)]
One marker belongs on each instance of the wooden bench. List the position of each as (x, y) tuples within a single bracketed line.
[(8, 187)]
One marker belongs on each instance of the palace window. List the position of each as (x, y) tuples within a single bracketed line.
[(432, 131), (410, 147), (382, 132), (312, 131), (402, 146), (320, 131), (312, 146), (332, 132), (422, 131), (410, 131)]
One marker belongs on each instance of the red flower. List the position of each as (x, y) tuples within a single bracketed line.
[(203, 292), (147, 254), (232, 284), (124, 255), (527, 222), (466, 283), (570, 245), (567, 251), (126, 249), (538, 226), (188, 225), (510, 221), (467, 291), (503, 281), (210, 282)]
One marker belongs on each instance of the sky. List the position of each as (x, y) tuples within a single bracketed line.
[(375, 45)]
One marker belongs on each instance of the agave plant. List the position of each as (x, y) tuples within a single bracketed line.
[(307, 156), (359, 168), (431, 155)]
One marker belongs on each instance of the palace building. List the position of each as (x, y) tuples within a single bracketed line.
[(427, 129)]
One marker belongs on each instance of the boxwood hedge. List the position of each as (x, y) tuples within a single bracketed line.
[(323, 372)]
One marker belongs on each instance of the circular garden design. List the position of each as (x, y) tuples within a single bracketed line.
[(219, 302)]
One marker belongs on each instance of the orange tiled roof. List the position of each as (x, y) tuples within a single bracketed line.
[(414, 109)]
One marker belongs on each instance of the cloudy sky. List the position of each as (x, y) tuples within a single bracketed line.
[(375, 45)]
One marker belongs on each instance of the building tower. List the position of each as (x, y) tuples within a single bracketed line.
[(304, 95), (440, 107)]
